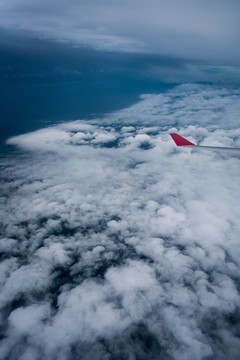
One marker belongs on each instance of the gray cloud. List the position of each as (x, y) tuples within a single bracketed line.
[(118, 245), (197, 30)]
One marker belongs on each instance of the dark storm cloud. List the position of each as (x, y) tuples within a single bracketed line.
[(117, 245), (205, 30), (27, 60), (36, 73)]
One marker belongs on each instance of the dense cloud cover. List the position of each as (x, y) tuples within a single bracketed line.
[(201, 30), (118, 245)]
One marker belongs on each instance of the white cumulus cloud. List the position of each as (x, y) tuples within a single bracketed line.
[(116, 244)]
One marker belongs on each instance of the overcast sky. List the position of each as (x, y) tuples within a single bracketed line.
[(201, 30)]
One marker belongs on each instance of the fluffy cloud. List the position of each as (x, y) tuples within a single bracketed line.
[(117, 244)]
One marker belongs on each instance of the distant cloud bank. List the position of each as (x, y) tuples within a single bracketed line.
[(115, 244)]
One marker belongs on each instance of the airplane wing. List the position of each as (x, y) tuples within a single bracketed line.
[(181, 141)]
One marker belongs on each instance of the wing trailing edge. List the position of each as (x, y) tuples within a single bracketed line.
[(181, 141)]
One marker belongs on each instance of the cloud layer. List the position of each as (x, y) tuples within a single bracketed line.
[(197, 30), (118, 245)]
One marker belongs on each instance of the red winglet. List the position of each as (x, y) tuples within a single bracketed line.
[(180, 141)]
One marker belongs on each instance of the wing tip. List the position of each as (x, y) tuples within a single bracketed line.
[(181, 141)]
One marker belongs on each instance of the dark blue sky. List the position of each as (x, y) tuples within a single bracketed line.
[(63, 61), (43, 82)]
